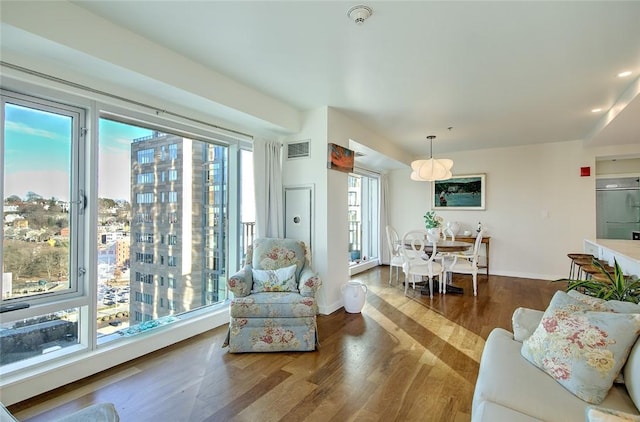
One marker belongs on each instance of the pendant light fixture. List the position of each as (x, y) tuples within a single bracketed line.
[(431, 169)]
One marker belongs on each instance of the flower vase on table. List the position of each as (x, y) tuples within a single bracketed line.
[(433, 224), (433, 234)]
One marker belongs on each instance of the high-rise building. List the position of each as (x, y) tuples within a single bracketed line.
[(178, 205)]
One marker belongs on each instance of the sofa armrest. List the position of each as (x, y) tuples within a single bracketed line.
[(309, 282), (241, 282), (99, 412), (524, 322)]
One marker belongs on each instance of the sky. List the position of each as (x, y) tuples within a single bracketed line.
[(37, 157), (37, 154)]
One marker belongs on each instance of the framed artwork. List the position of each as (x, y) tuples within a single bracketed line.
[(340, 158), (461, 192)]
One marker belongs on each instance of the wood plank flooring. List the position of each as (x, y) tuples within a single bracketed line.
[(404, 358)]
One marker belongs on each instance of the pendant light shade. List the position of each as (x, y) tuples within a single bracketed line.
[(431, 169)]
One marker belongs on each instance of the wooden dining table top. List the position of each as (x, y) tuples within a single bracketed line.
[(446, 246)]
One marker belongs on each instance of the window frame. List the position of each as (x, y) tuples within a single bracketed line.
[(40, 304)]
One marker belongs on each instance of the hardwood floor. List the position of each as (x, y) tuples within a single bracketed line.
[(404, 358)]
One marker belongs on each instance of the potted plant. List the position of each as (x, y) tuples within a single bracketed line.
[(614, 286), (433, 224)]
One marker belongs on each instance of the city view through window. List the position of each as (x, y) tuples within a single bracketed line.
[(161, 215), (162, 211)]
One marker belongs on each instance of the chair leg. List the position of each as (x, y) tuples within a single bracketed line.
[(475, 284), (430, 286), (406, 284), (572, 269), (390, 273)]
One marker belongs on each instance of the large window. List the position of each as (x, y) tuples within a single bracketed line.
[(121, 142), (65, 245)]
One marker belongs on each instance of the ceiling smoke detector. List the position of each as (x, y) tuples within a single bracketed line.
[(359, 13)]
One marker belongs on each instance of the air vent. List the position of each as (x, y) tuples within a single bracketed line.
[(298, 149)]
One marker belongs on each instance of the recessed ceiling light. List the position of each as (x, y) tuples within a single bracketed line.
[(596, 110), (624, 74)]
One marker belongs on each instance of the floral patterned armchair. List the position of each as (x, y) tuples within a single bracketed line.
[(274, 307)]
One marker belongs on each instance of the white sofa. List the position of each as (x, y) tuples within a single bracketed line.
[(510, 388)]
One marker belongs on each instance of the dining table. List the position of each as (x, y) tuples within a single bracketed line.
[(448, 246), (445, 246)]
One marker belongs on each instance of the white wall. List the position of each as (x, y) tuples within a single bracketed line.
[(313, 171), (538, 208)]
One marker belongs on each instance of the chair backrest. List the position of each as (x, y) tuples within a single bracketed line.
[(414, 244), (448, 234), (393, 241), (476, 248), (269, 253)]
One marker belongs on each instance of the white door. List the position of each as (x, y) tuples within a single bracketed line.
[(298, 205)]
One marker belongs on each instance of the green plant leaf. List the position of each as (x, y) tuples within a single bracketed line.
[(615, 286)]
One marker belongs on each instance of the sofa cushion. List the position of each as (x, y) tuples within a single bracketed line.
[(524, 322), (602, 414), (582, 350), (278, 280), (272, 305), (509, 380), (491, 412)]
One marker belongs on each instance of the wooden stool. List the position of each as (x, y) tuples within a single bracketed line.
[(574, 267), (593, 272)]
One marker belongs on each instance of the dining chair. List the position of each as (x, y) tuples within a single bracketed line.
[(446, 234), (396, 260), (418, 262), (464, 263)]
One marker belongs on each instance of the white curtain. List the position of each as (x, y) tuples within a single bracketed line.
[(267, 174), (384, 218)]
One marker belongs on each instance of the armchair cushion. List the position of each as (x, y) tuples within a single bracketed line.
[(278, 280), (273, 253), (273, 304)]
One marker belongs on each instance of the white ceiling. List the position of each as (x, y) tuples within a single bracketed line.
[(499, 73)]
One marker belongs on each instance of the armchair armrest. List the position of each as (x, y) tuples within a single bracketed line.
[(309, 282), (453, 258), (241, 282)]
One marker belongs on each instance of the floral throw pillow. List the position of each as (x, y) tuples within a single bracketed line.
[(280, 280), (583, 350), (606, 305)]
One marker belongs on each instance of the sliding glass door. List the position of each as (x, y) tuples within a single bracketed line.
[(363, 218)]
